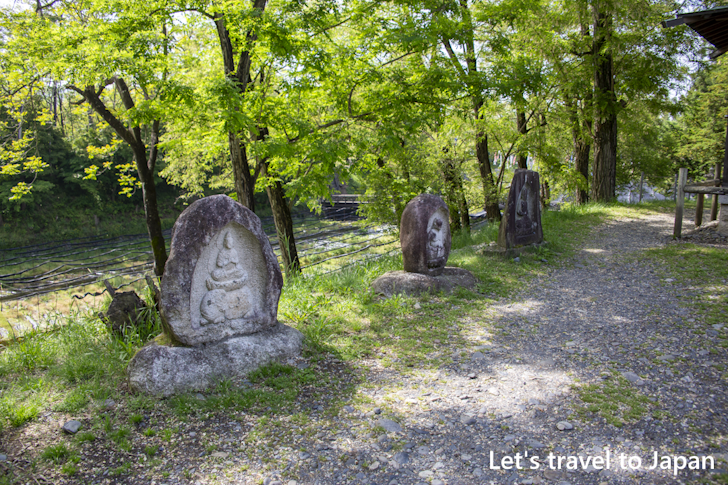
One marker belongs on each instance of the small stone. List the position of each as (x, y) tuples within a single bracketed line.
[(374, 466), (377, 410), (437, 482), (467, 420), (472, 375), (200, 397), (517, 259), (535, 444), (3, 457), (72, 427), (466, 457), (220, 454), (401, 458), (109, 404), (425, 474), (417, 305), (564, 425), (389, 425), (304, 456), (633, 378), (534, 402), (552, 474), (423, 450), (478, 472), (349, 409), (192, 434), (477, 356)]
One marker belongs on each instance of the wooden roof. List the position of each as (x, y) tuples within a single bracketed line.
[(710, 24)]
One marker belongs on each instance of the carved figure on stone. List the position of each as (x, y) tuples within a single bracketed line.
[(424, 234), (227, 297), (435, 242), (521, 223)]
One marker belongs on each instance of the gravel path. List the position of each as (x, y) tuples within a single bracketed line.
[(604, 319), (606, 326)]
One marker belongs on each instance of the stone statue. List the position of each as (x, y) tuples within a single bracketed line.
[(227, 298)]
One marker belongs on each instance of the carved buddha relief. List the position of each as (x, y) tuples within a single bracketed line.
[(525, 225), (436, 234), (229, 280)]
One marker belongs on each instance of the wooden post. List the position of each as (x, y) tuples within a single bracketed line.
[(714, 204), (642, 181), (680, 199), (699, 210)]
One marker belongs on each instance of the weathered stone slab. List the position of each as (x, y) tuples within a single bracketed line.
[(222, 278), (521, 223), (164, 370), (396, 282), (424, 234)]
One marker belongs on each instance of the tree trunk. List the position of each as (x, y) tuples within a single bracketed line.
[(244, 182), (581, 164), (522, 157), (284, 225), (492, 210), (605, 110), (451, 194), (154, 224)]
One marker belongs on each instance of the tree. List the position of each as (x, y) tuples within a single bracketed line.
[(92, 44)]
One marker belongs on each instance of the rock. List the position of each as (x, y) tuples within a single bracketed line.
[(304, 456), (165, 370), (425, 474), (517, 259), (349, 409), (437, 482), (395, 282), (222, 278), (3, 457), (374, 466), (219, 302), (521, 223), (633, 378), (389, 425), (377, 410), (401, 458), (477, 356), (424, 234), (125, 309), (109, 404), (564, 425), (535, 444), (417, 305), (71, 427), (467, 420), (220, 454)]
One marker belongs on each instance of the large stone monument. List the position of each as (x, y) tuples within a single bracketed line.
[(424, 234), (521, 223), (219, 303)]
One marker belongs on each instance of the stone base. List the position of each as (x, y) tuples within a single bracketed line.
[(163, 370), (496, 250), (395, 282)]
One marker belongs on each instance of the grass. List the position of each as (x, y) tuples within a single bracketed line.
[(617, 401)]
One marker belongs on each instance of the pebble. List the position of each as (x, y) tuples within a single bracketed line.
[(220, 454), (425, 474), (564, 425), (437, 482), (401, 458), (467, 420), (374, 466), (3, 457), (633, 378), (517, 259), (109, 404), (417, 305), (389, 425), (71, 427)]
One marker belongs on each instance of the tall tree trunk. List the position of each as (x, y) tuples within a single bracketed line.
[(244, 181), (490, 193), (522, 157), (605, 110), (451, 193), (239, 75), (284, 224)]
